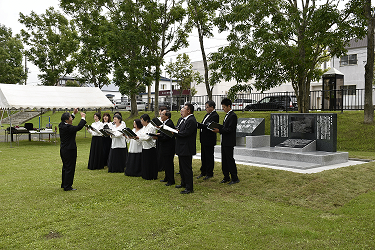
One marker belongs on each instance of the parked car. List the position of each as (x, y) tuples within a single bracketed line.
[(198, 106), (168, 105), (274, 103), (240, 104), (140, 106), (120, 105)]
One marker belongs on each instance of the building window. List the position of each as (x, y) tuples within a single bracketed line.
[(162, 86), (349, 89), (348, 60)]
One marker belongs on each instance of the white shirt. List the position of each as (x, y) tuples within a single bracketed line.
[(147, 141), (135, 146), (118, 139), (96, 125)]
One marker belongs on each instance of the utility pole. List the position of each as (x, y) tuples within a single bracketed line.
[(26, 70), (171, 91)]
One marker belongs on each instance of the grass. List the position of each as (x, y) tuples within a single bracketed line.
[(268, 209)]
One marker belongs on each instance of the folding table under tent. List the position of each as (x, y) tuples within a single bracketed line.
[(14, 97)]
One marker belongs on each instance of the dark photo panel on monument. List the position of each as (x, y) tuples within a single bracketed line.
[(302, 126), (250, 127), (321, 127)]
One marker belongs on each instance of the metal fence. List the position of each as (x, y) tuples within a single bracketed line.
[(343, 99)]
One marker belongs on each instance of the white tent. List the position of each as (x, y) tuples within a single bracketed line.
[(37, 97)]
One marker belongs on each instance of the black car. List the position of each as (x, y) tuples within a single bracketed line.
[(284, 102), (168, 105)]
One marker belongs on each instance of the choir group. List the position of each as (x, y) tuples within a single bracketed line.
[(152, 145)]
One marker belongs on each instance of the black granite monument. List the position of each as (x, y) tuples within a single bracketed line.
[(291, 129)]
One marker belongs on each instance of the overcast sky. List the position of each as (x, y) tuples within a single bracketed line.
[(9, 15)]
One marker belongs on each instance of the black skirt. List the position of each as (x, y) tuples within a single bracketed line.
[(149, 164), (96, 153), (117, 160), (134, 164), (107, 142)]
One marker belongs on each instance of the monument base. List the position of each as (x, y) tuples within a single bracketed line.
[(290, 158)]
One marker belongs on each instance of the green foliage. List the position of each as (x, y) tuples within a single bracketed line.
[(272, 42), (11, 69), (182, 71), (70, 83), (53, 40), (93, 61)]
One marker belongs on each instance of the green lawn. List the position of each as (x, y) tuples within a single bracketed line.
[(268, 209)]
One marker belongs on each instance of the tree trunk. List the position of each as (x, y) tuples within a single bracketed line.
[(369, 67), (149, 98), (157, 78), (205, 64), (133, 101)]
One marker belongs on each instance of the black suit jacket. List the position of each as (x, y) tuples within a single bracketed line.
[(228, 130), (207, 137), (186, 137), (68, 134), (166, 143)]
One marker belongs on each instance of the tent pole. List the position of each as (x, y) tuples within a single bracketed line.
[(10, 126)]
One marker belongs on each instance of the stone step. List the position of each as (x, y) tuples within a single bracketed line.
[(273, 162), (279, 157), (20, 117)]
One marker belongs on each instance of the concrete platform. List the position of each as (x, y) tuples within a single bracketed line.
[(310, 170)]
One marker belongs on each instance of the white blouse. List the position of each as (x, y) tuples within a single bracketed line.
[(147, 141), (135, 146), (96, 125), (118, 139)]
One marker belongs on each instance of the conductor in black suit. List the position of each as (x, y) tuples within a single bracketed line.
[(68, 147), (167, 149), (208, 141), (186, 147), (228, 141)]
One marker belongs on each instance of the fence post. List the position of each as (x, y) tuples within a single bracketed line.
[(342, 100)]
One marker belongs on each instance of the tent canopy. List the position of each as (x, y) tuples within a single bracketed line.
[(36, 97)]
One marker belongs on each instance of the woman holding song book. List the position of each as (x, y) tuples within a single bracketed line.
[(134, 160), (149, 160), (96, 149), (107, 141), (119, 151)]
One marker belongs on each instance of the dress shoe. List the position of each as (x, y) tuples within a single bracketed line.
[(169, 184), (225, 180), (207, 177), (164, 180), (180, 186), (186, 191), (234, 182), (200, 176), (70, 189)]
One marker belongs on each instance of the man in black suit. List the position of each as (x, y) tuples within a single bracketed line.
[(68, 147), (186, 147), (167, 149), (228, 141), (208, 141)]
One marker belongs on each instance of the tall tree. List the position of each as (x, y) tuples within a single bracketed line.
[(201, 15), (169, 35), (93, 61), (52, 41), (130, 24), (123, 33), (182, 71), (11, 69), (365, 17), (274, 42)]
